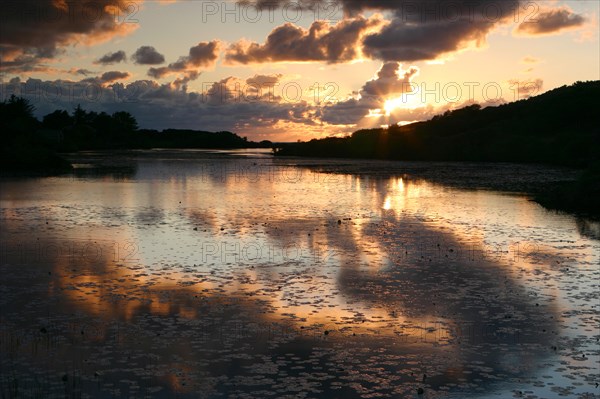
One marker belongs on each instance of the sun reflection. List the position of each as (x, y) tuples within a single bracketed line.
[(387, 204), (400, 185)]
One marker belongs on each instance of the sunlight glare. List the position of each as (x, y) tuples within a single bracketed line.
[(406, 101)]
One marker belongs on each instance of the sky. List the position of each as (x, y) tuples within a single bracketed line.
[(287, 70)]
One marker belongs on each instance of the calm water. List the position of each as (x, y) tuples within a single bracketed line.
[(231, 274)]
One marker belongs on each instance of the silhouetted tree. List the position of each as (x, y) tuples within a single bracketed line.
[(58, 119), (79, 115), (16, 116), (125, 122)]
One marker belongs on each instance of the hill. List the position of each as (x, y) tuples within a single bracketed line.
[(560, 126)]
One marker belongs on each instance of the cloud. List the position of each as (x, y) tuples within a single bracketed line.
[(80, 71), (259, 88), (418, 30), (530, 60), (34, 31), (147, 55), (161, 106), (113, 76), (433, 28), (204, 54), (550, 22), (527, 88), (399, 42), (264, 80), (105, 79), (225, 91), (389, 81), (320, 42), (112, 58)]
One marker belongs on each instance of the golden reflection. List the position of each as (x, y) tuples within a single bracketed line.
[(295, 297), (387, 204), (347, 256), (400, 185)]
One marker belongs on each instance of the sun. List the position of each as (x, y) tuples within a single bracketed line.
[(406, 100), (391, 105)]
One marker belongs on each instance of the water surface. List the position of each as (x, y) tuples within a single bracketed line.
[(232, 274)]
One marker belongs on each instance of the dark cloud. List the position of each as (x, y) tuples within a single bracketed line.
[(400, 42), (147, 55), (418, 30), (433, 11), (80, 71), (428, 29), (34, 31), (204, 54), (348, 112), (390, 80), (113, 76), (106, 78), (321, 42), (112, 58), (296, 4), (551, 21)]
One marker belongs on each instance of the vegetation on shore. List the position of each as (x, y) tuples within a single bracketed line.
[(32, 146), (23, 150)]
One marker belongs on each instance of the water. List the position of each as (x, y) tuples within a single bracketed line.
[(233, 274)]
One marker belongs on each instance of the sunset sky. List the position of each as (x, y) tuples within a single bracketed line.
[(288, 70)]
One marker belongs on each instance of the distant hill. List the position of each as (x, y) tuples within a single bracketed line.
[(561, 126)]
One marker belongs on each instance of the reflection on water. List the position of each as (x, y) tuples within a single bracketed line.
[(205, 274)]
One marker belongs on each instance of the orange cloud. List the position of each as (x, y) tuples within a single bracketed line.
[(320, 42), (34, 31)]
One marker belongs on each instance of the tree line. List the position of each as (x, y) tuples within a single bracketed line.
[(29, 144)]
